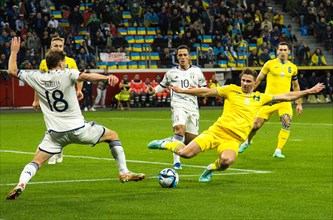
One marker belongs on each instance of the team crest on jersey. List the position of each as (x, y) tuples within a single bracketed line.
[(256, 98), (289, 69)]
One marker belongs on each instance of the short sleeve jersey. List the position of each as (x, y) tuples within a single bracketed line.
[(185, 79), (57, 97), (70, 64), (240, 110), (279, 76)]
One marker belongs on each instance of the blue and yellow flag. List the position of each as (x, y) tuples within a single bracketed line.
[(141, 30), (132, 65), (101, 65), (154, 56), (122, 65), (135, 56), (56, 14), (131, 30), (127, 15)]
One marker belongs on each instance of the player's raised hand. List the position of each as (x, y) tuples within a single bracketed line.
[(113, 80), (317, 88), (79, 95), (15, 45)]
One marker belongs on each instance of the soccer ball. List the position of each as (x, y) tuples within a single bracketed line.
[(168, 178)]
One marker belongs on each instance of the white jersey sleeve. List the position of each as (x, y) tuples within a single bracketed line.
[(185, 79), (57, 97)]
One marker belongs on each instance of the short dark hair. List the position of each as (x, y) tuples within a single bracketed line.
[(251, 72), (283, 43), (53, 58), (183, 47)]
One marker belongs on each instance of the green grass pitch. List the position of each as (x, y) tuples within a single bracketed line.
[(86, 184)]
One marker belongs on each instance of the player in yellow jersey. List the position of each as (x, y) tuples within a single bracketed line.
[(57, 43), (281, 74), (233, 126)]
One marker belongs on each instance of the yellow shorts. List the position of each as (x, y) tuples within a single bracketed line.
[(282, 108), (222, 140)]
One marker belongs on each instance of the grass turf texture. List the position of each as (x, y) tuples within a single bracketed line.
[(297, 187)]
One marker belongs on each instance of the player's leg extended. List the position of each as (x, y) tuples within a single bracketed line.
[(179, 136), (28, 172), (283, 135), (228, 154), (118, 153), (258, 123)]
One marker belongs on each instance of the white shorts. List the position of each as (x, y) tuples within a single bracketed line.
[(180, 116), (54, 142)]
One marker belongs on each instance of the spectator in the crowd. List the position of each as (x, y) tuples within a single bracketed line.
[(3, 61), (138, 92), (86, 15), (175, 21), (303, 54), (93, 24), (213, 83), (97, 7), (99, 41), (87, 58), (163, 21), (303, 11), (221, 25), (264, 57), (88, 101), (106, 15), (75, 20), (328, 38), (159, 43), (161, 98), (117, 18), (135, 12), (290, 34), (303, 84), (179, 40), (123, 95), (317, 58), (278, 19), (101, 91), (328, 82), (274, 41), (54, 22), (217, 38), (165, 58), (249, 35), (120, 43), (254, 58), (218, 51), (313, 80), (211, 57), (149, 97)]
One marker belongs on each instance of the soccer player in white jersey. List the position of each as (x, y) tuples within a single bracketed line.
[(184, 107), (62, 115)]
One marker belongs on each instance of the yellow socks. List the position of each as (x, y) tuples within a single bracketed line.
[(173, 146), (283, 137)]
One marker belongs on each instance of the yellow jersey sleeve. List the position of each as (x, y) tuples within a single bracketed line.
[(70, 63), (43, 66)]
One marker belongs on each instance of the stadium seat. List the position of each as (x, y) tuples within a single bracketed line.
[(149, 39), (122, 65), (153, 65), (126, 15), (141, 30), (193, 55), (137, 48), (101, 65), (135, 56), (222, 63), (154, 56), (142, 65), (139, 39), (56, 14), (132, 65), (122, 31), (130, 39), (112, 65), (131, 30), (151, 31), (78, 39)]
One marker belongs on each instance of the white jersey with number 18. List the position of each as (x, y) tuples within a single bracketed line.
[(57, 97)]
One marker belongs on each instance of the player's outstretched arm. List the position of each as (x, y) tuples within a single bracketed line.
[(202, 92), (12, 63), (290, 96), (94, 77)]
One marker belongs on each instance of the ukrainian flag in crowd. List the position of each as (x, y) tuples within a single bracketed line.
[(207, 39), (154, 56), (252, 47), (151, 31), (139, 39), (149, 39), (137, 48), (130, 39), (135, 56), (142, 65), (78, 39), (132, 65), (144, 56), (122, 31), (272, 55), (240, 63), (82, 7), (290, 56), (205, 3), (52, 7), (241, 55), (56, 14), (204, 47), (193, 55), (141, 30), (127, 15), (153, 65), (222, 63), (131, 30), (101, 65), (83, 31), (65, 22), (122, 65), (112, 65), (126, 23)]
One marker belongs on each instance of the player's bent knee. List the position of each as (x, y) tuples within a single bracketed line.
[(109, 136)]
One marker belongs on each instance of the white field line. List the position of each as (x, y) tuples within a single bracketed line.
[(241, 171), (168, 119)]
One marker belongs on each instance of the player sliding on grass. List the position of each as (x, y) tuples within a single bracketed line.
[(235, 123), (63, 118)]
